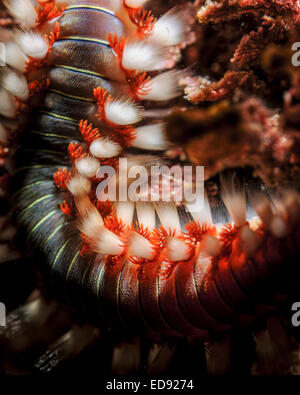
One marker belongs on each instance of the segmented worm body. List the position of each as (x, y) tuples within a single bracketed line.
[(133, 266)]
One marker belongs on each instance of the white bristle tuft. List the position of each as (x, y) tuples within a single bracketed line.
[(234, 199), (144, 56), (14, 82), (109, 243), (23, 11), (125, 212), (200, 210), (87, 166), (103, 240), (255, 223), (8, 104), (104, 148), (169, 29), (165, 86), (264, 210), (123, 112), (146, 214), (92, 224), (177, 250), (135, 3), (249, 239), (168, 215), (151, 137), (32, 44), (79, 185), (15, 57), (140, 246)]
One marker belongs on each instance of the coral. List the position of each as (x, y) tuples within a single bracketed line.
[(252, 69)]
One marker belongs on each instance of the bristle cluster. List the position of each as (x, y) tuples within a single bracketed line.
[(104, 148), (87, 166), (144, 21), (170, 29), (234, 199), (32, 44), (164, 86), (9, 106), (26, 50), (15, 57), (14, 82), (151, 137), (79, 185), (23, 11), (122, 111), (47, 11), (144, 56)]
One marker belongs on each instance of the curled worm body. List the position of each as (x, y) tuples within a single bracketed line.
[(211, 277)]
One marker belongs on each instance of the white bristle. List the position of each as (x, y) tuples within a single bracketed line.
[(200, 210), (264, 210), (168, 215), (135, 3), (169, 29), (255, 223), (123, 112), (15, 57), (87, 166), (236, 206), (150, 137), (177, 250), (23, 11), (92, 224), (103, 240), (146, 214), (79, 185), (165, 86), (104, 148), (125, 212), (109, 243), (234, 200), (249, 239), (8, 104), (144, 56), (32, 44), (140, 246), (14, 82)]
